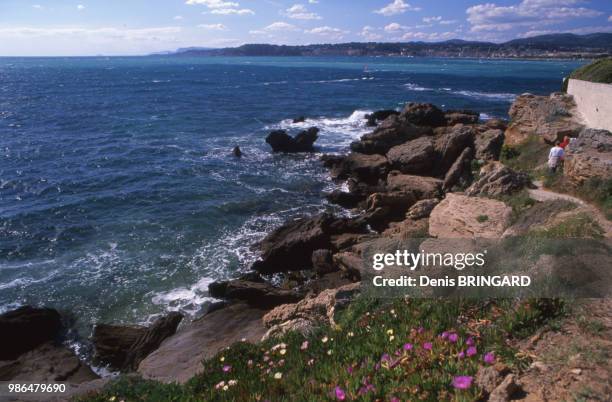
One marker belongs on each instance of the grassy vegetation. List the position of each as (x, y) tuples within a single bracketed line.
[(595, 190), (406, 349), (576, 226), (598, 71), (526, 157), (482, 218)]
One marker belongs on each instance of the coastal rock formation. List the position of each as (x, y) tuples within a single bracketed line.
[(123, 346), (419, 186), (548, 117), (460, 172), (497, 179), (422, 209), (280, 141), (25, 328), (180, 356), (394, 130), (257, 294), (413, 157), (589, 156), (489, 144), (460, 216), (364, 167), (449, 146), (423, 114), (379, 115), (453, 117), (322, 261)]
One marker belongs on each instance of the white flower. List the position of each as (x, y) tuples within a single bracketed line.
[(278, 375), (325, 339)]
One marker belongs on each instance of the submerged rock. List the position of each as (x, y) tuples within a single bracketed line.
[(237, 152), (25, 328), (280, 141), (299, 119)]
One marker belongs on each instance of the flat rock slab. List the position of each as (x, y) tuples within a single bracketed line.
[(180, 356), (460, 216)]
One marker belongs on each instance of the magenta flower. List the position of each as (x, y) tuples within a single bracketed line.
[(462, 382), (227, 368), (461, 355), (470, 341), (428, 346), (489, 358), (340, 394), (420, 330), (444, 335), (471, 351), (395, 399), (349, 369), (385, 357), (453, 337), (407, 346)]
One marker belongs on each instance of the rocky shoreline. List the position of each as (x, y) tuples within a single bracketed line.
[(421, 172)]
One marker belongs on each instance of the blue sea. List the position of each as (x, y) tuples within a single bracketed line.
[(119, 199)]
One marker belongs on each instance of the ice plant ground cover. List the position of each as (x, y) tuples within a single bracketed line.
[(407, 349)]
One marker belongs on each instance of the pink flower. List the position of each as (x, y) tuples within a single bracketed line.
[(304, 345), (427, 346), (385, 357), (407, 346), (489, 358), (349, 369), (471, 351), (461, 355), (470, 341), (453, 337), (395, 399), (340, 395), (227, 368), (444, 335), (420, 330), (462, 382)]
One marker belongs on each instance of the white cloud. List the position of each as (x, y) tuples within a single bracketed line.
[(370, 33), (527, 13), (447, 22), (610, 18), (427, 36), (334, 33), (37, 6), (299, 12), (394, 27), (222, 7), (280, 26), (177, 17), (80, 7), (111, 33), (213, 27), (313, 1), (429, 20), (396, 7)]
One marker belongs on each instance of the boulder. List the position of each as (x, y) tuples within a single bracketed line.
[(505, 390), (256, 294), (383, 208), (391, 132), (46, 363), (25, 328), (345, 199), (423, 114), (589, 156), (460, 216), (497, 179), (419, 186), (489, 144), (368, 168), (280, 141), (413, 157), (497, 124), (422, 209), (322, 261), (548, 117), (180, 357), (453, 117), (460, 172), (379, 115), (299, 119), (448, 147), (237, 152), (113, 342), (351, 263)]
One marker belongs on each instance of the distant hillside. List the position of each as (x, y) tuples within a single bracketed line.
[(544, 46)]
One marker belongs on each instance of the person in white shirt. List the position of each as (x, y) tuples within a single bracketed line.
[(555, 156)]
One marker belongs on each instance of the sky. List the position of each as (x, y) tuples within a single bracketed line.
[(133, 27)]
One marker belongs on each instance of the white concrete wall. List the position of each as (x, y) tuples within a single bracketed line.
[(594, 102)]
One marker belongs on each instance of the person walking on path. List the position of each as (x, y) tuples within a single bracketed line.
[(555, 156)]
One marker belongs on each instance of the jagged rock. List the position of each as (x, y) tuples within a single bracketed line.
[(379, 115), (351, 263), (383, 208), (299, 119), (589, 156), (460, 216), (46, 363), (489, 144), (237, 152), (423, 114), (395, 130), (497, 124), (25, 328), (256, 294), (180, 357), (413, 157), (505, 390), (420, 186), (453, 117), (360, 166), (280, 141), (460, 172), (448, 147), (317, 310), (422, 209), (345, 199), (497, 179), (290, 247), (124, 346), (299, 325), (407, 229), (346, 240), (150, 340), (322, 261), (549, 117)]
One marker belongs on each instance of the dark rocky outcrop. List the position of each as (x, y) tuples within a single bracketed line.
[(379, 115), (280, 141), (453, 117), (419, 186), (256, 294), (395, 130), (345, 199), (25, 328), (423, 114), (460, 172), (368, 168), (413, 157), (237, 152), (449, 146), (322, 261), (497, 179), (299, 119), (489, 144)]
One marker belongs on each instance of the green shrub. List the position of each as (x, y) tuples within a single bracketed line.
[(598, 71)]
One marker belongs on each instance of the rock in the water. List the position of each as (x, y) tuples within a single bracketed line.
[(423, 114), (395, 130), (497, 179), (549, 117), (300, 119), (256, 294), (460, 172), (368, 168), (46, 363), (460, 216), (237, 152), (420, 186), (379, 115), (180, 357), (322, 261), (589, 156), (25, 328), (413, 157), (280, 141), (345, 199), (422, 209), (489, 144), (461, 117)]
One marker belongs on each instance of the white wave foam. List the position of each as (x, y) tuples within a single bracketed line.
[(185, 299), (503, 96), (416, 87)]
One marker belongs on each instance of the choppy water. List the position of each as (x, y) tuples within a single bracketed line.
[(118, 197)]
